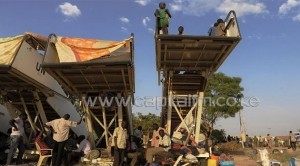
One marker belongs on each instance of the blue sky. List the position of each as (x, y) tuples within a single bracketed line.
[(267, 58)]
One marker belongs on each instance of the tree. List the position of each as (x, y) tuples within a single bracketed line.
[(220, 100), (218, 135), (146, 121)]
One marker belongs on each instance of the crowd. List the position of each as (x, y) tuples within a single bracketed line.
[(126, 149), (268, 141)]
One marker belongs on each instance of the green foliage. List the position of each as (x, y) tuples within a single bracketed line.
[(218, 135), (146, 121), (222, 99)]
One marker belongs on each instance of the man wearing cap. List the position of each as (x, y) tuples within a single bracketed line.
[(16, 138), (61, 128)]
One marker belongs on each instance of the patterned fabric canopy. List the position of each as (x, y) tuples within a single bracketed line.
[(81, 50)]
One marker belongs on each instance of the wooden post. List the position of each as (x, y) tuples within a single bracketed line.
[(89, 124), (129, 114), (169, 113), (199, 115), (120, 111), (39, 106), (105, 126)]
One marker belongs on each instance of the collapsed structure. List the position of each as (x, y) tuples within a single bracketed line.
[(25, 86), (47, 77)]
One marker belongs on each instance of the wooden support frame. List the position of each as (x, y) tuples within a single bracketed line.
[(109, 125), (190, 112), (181, 118)]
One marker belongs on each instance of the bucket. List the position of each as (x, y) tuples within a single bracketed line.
[(227, 163)]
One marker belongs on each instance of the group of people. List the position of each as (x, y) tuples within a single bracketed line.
[(59, 140), (163, 18), (132, 147), (64, 144), (267, 141)]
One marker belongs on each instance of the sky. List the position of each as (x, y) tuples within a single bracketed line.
[(267, 59)]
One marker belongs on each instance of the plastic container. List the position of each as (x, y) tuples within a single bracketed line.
[(212, 162), (215, 158), (227, 163)]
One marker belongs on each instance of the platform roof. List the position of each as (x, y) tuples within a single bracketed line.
[(193, 53), (108, 70)]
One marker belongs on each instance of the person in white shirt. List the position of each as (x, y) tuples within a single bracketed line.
[(119, 144), (164, 145), (61, 128), (16, 138), (84, 148)]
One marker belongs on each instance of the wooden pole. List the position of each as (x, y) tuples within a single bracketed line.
[(39, 106), (89, 124), (199, 115), (105, 126)]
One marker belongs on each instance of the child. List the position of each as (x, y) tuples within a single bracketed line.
[(180, 30), (220, 29), (163, 16)]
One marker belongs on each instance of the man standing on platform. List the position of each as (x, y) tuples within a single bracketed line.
[(61, 128)]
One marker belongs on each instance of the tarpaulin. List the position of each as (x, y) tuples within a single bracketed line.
[(80, 50), (8, 48)]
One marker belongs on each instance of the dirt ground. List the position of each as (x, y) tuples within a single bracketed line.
[(250, 156)]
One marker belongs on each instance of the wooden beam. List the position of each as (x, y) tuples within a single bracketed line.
[(99, 85), (39, 106), (196, 50), (89, 124), (187, 62), (93, 75), (211, 42), (105, 126), (32, 124), (120, 110), (86, 80), (104, 77), (182, 120), (125, 85), (199, 115)]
